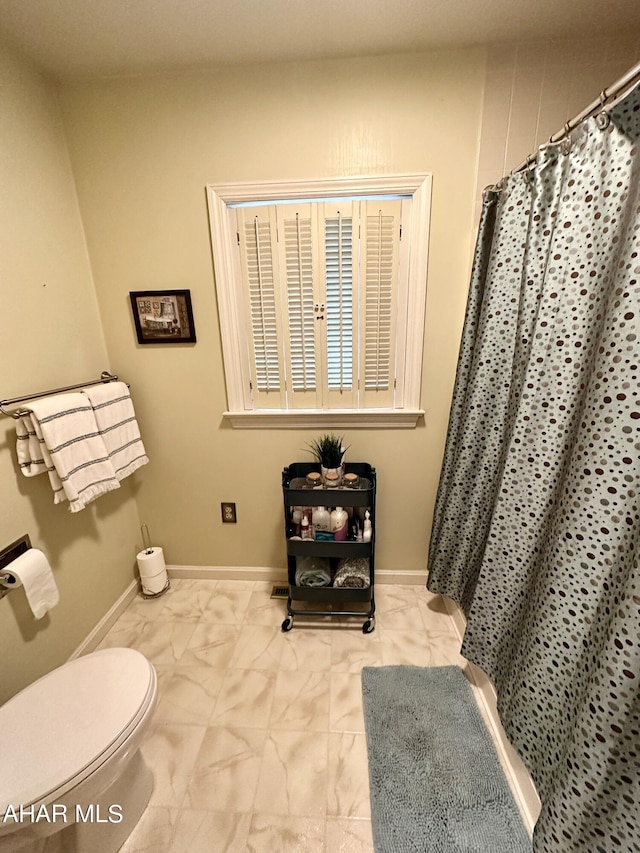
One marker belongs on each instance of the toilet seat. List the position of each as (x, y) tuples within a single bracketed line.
[(63, 727)]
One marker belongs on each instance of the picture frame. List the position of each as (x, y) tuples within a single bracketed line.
[(163, 316)]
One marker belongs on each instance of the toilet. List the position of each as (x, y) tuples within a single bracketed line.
[(72, 777)]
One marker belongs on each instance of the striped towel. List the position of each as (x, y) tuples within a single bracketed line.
[(33, 456), (31, 452), (66, 429), (117, 424)]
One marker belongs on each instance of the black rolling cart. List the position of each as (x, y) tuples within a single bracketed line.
[(297, 494)]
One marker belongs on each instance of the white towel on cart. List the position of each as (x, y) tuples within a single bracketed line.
[(68, 435), (117, 424)]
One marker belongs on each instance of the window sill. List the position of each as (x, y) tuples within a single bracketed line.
[(336, 418)]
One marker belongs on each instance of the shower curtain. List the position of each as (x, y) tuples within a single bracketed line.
[(536, 529)]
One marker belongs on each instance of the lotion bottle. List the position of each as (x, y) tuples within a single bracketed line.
[(339, 524), (321, 519), (366, 533)]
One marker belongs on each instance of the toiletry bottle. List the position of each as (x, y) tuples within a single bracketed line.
[(360, 512), (339, 522), (296, 518), (305, 531), (308, 511), (366, 533), (321, 520)]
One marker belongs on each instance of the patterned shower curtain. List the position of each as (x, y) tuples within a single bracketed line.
[(537, 523)]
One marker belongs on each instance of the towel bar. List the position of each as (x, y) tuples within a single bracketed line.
[(105, 376)]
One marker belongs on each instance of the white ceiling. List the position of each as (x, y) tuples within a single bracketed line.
[(73, 38)]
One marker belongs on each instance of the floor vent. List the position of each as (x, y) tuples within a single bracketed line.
[(280, 592)]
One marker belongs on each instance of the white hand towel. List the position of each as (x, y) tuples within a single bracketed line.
[(117, 424), (69, 431), (33, 456), (31, 453)]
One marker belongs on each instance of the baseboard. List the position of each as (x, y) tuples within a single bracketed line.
[(228, 573), (385, 576), (92, 639), (521, 783), (274, 575), (457, 616)]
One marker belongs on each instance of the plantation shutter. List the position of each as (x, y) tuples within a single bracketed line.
[(379, 260), (257, 241), (323, 289), (340, 240), (301, 270)]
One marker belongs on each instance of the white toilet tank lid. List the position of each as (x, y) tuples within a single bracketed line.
[(59, 725)]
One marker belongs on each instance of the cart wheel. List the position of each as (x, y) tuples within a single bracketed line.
[(287, 625), (368, 626)]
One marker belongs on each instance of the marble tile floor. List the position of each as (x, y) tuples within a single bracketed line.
[(258, 739)]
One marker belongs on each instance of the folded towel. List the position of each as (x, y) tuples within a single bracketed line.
[(353, 573), (313, 571), (67, 429), (31, 451), (117, 424), (33, 456)]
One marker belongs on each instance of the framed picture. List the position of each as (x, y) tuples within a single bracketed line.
[(163, 316)]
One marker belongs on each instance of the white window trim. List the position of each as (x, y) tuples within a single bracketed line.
[(223, 242)]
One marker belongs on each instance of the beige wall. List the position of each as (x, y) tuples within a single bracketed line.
[(533, 88), (143, 150), (51, 335)]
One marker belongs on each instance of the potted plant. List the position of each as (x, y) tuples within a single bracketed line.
[(329, 452)]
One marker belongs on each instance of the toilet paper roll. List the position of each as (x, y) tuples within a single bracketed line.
[(32, 571), (153, 571)]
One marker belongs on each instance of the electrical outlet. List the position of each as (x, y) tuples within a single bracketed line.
[(228, 513)]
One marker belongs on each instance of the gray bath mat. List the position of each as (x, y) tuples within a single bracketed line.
[(435, 779)]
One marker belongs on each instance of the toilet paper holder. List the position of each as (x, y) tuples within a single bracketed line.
[(8, 581)]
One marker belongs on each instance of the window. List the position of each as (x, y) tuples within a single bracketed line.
[(321, 290)]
